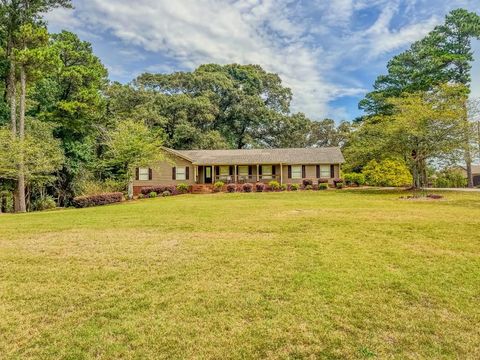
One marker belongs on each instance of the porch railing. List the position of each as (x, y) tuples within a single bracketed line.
[(242, 179)]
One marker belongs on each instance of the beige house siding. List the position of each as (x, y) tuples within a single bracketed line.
[(162, 173), (310, 173)]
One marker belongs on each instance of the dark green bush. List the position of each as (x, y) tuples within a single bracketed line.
[(44, 203), (97, 200)]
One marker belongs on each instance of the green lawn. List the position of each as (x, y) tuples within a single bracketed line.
[(335, 275)]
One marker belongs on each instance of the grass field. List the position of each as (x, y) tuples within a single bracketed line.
[(334, 275)]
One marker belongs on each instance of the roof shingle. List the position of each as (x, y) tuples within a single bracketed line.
[(325, 155)]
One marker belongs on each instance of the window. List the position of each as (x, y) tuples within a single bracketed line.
[(181, 173), (296, 171), (243, 171), (266, 171), (224, 170), (144, 174), (325, 171)]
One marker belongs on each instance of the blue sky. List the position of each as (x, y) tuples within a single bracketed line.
[(328, 51)]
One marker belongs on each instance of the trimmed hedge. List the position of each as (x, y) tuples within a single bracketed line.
[(247, 187), (260, 187), (159, 189), (97, 200), (307, 182), (231, 188)]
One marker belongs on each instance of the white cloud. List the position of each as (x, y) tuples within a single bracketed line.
[(193, 32), (314, 46)]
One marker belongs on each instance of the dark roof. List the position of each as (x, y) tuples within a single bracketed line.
[(325, 155)]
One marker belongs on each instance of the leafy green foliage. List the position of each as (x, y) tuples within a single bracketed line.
[(387, 172), (182, 188), (39, 151), (354, 179), (274, 185), (450, 178), (218, 186)]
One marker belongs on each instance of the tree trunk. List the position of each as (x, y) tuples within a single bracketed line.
[(12, 96), (130, 189), (20, 193), (468, 152)]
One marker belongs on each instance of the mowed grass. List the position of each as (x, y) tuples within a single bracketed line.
[(334, 275)]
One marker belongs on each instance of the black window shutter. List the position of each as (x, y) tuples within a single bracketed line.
[(260, 170), (217, 170), (137, 174), (332, 171), (304, 175), (289, 171), (150, 174), (231, 170), (274, 169), (174, 173), (318, 171), (249, 170), (187, 173)]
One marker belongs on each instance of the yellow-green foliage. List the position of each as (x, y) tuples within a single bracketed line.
[(387, 173)]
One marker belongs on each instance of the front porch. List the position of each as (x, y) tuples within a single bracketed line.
[(238, 174)]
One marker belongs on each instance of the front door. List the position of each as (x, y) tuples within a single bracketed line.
[(208, 175)]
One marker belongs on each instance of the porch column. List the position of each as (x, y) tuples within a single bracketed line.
[(213, 174), (281, 174), (235, 175), (258, 171), (195, 174)]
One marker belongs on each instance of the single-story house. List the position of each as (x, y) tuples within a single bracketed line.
[(205, 167), (475, 173)]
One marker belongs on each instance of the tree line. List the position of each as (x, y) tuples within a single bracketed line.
[(66, 130), (420, 112)]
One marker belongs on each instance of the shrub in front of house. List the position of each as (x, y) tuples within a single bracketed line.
[(357, 179), (283, 187), (293, 187), (323, 186), (323, 181), (140, 196), (152, 195), (182, 188), (274, 185), (218, 186), (307, 182), (231, 188), (239, 187), (247, 187), (339, 185), (336, 181), (159, 190), (315, 187), (308, 187), (166, 193), (97, 200), (260, 187)]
